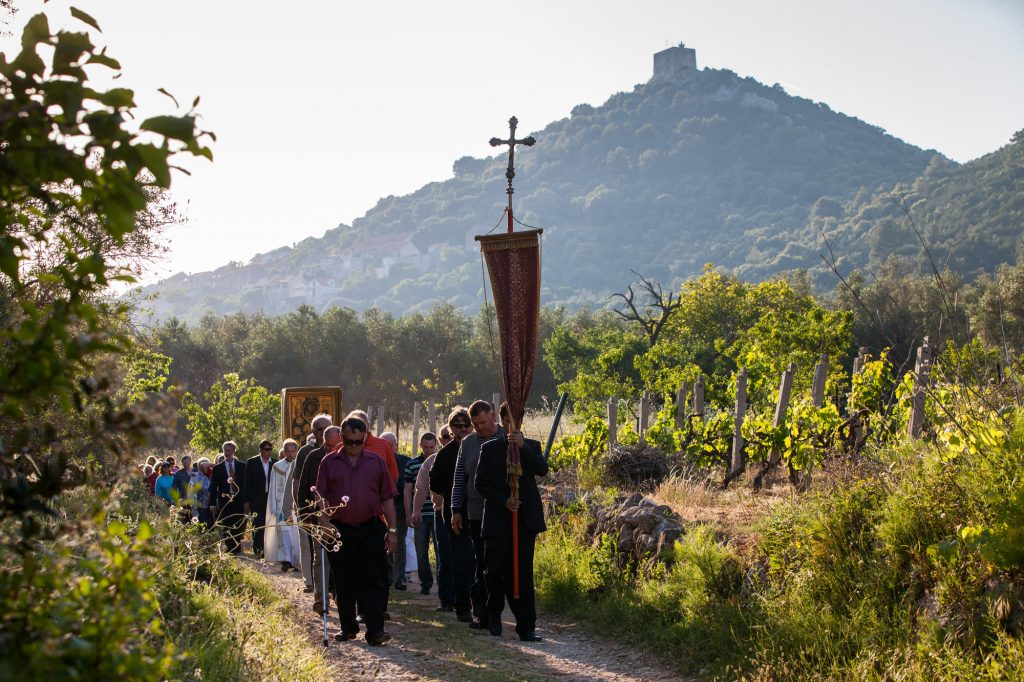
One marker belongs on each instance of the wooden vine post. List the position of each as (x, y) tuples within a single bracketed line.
[(645, 414), (698, 397), (613, 422), (416, 428), (737, 465), (681, 405), (921, 369), (817, 399)]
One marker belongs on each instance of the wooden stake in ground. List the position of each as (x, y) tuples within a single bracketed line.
[(817, 399), (921, 369), (698, 397), (645, 414), (681, 405), (613, 422), (415, 428), (781, 407), (740, 413)]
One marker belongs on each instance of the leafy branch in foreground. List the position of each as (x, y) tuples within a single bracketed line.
[(73, 180)]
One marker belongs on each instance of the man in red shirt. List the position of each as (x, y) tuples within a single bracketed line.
[(355, 489), (377, 446), (386, 451)]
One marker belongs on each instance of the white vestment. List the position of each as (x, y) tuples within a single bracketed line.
[(281, 540)]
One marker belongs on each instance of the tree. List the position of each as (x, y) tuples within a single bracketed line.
[(74, 178), (652, 314), (236, 409)]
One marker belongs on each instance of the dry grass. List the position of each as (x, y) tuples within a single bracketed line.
[(733, 512)]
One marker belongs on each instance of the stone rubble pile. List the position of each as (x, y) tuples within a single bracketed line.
[(644, 531)]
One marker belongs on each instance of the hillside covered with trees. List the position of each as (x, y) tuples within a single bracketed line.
[(708, 167)]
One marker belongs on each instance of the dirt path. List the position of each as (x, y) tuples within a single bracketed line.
[(431, 645)]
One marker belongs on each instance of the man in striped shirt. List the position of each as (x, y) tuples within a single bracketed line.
[(468, 504)]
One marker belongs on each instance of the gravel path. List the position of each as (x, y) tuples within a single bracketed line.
[(430, 645)]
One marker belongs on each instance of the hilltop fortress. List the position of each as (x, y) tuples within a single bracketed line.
[(674, 63)]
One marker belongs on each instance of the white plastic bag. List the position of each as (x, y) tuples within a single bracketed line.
[(410, 550)]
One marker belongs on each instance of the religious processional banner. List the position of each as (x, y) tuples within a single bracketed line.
[(300, 405), (513, 262)]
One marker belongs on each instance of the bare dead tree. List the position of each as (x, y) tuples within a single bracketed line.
[(651, 314)]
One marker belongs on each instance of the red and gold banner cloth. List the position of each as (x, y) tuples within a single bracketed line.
[(513, 262)]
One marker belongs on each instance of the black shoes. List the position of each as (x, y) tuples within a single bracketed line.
[(424, 590), (531, 637), (400, 586), (307, 589), (495, 629), (478, 625), (445, 607), (377, 638), (286, 566), (464, 616), (345, 635)]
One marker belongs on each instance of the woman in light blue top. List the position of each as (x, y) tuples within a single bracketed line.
[(164, 482)]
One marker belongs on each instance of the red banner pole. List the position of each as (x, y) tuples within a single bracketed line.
[(515, 554)]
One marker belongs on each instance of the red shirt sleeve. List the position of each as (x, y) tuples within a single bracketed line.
[(391, 462)]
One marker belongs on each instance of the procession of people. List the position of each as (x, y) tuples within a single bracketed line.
[(336, 509)]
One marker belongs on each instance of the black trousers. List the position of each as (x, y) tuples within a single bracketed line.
[(358, 568), (463, 565), (258, 527), (478, 591), (232, 525), (498, 575)]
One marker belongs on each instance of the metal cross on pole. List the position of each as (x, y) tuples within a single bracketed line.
[(510, 173)]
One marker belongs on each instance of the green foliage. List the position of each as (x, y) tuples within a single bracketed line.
[(67, 614), (236, 409), (711, 440), (688, 613), (722, 324), (582, 448), (75, 184)]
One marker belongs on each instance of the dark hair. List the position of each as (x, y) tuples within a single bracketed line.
[(354, 424), (170, 460), (479, 406), (428, 436), (458, 412), (266, 444), (504, 412)]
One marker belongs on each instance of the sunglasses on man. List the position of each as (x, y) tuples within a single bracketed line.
[(353, 441)]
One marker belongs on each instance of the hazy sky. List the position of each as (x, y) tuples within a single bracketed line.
[(322, 108)]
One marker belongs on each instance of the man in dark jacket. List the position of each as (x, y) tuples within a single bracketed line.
[(492, 483), (227, 497), (257, 486), (453, 550)]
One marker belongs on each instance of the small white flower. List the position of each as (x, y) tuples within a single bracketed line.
[(195, 519), (344, 499)]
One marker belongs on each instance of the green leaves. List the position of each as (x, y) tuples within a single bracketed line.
[(37, 30), (237, 409), (173, 127), (71, 190), (82, 16)]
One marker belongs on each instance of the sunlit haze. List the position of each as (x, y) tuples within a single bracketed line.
[(320, 108)]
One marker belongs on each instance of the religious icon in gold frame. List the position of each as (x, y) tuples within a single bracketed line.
[(300, 404)]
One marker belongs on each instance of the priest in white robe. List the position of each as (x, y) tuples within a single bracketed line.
[(281, 541)]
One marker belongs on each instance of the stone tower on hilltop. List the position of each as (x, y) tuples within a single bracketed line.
[(674, 63)]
